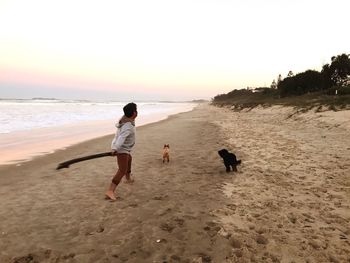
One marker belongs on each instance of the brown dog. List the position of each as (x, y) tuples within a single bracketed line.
[(166, 150)]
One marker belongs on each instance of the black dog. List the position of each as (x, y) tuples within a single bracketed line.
[(229, 160)]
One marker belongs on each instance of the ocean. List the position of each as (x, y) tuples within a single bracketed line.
[(32, 127)]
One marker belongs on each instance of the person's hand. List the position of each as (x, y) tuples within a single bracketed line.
[(114, 152)]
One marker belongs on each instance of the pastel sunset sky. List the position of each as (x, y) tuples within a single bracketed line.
[(160, 49)]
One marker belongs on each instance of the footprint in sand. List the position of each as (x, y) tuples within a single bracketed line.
[(179, 221), (292, 218), (24, 259), (232, 207), (167, 227), (342, 236), (235, 242), (100, 229), (202, 258), (170, 226), (212, 228), (164, 212), (160, 197), (175, 258), (42, 256), (260, 239), (90, 232)]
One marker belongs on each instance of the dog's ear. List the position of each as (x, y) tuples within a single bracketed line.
[(164, 146), (168, 146)]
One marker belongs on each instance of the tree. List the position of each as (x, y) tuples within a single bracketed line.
[(327, 76), (340, 69), (279, 79), (273, 85), (308, 81), (233, 94)]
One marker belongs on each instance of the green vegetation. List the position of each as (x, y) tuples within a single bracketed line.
[(329, 88)]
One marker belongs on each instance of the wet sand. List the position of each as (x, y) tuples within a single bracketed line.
[(288, 202)]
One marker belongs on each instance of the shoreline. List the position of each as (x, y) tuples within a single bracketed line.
[(50, 139), (14, 168), (288, 201)]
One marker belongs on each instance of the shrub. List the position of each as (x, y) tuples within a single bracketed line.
[(344, 90), (341, 90)]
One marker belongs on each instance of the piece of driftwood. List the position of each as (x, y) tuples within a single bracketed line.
[(66, 164)]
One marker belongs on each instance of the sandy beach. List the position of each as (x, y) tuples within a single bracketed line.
[(288, 202)]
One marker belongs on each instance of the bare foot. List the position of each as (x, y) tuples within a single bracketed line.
[(110, 195), (129, 181)]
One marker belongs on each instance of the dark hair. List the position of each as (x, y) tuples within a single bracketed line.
[(129, 109)]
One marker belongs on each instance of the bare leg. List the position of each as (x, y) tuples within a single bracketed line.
[(128, 174), (122, 170)]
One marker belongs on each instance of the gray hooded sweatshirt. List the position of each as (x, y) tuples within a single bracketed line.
[(124, 139)]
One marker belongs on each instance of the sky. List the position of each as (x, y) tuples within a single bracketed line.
[(160, 49)]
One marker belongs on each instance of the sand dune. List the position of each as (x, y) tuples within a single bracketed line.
[(288, 202)]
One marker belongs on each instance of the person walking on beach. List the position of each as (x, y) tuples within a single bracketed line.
[(122, 145)]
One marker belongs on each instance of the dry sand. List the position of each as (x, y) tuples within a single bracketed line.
[(288, 202)]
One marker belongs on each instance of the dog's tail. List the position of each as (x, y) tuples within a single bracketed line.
[(238, 162)]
